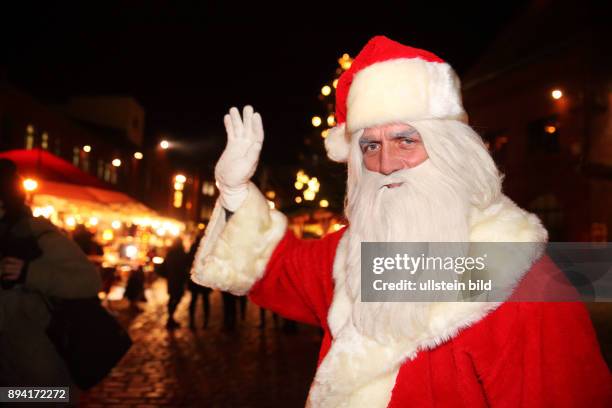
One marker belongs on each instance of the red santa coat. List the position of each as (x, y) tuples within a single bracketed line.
[(469, 355)]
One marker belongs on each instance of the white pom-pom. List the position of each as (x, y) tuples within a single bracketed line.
[(337, 144)]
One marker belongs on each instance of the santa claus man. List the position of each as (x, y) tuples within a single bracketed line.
[(416, 172)]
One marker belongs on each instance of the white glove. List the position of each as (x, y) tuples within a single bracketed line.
[(239, 159)]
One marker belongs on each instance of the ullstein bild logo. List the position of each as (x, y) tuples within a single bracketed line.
[(485, 272)]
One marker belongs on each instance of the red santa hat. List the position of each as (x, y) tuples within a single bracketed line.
[(390, 82)]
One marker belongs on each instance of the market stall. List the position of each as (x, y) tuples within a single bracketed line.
[(124, 233)]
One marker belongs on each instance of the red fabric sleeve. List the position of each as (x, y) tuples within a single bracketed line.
[(298, 281)]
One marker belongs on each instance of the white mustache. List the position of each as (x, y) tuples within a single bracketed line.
[(398, 177)]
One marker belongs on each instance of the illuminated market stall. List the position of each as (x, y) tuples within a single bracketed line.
[(129, 233)]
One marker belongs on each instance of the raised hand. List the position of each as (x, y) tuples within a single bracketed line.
[(239, 159)]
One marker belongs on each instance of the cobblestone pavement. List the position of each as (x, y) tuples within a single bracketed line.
[(249, 367)]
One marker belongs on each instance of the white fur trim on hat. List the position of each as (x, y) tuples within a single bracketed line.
[(337, 144), (402, 90)]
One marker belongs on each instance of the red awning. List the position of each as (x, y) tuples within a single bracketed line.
[(90, 194), (40, 164)]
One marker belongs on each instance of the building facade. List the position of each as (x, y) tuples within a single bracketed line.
[(540, 97)]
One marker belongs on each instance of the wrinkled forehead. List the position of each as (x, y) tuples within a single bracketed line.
[(388, 130)]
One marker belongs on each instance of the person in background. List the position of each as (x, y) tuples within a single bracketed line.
[(197, 291), (262, 318), (242, 305), (176, 270), (85, 240), (229, 310), (36, 262), (135, 288)]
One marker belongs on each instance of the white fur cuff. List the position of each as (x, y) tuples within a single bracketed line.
[(233, 254)]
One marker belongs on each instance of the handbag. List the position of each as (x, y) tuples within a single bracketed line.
[(88, 338)]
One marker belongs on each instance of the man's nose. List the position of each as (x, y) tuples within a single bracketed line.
[(389, 162)]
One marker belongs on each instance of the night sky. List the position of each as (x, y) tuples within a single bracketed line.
[(188, 64)]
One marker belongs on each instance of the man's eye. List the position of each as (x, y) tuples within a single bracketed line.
[(370, 147), (407, 141)]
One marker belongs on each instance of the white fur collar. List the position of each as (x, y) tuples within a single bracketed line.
[(358, 371)]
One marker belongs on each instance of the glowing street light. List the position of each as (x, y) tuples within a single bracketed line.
[(107, 235), (313, 184), (309, 195), (87, 148), (164, 144), (556, 94), (331, 120), (302, 177), (345, 61), (316, 121), (30, 185), (116, 162), (323, 203), (335, 83), (298, 199), (326, 90), (180, 178), (71, 222), (138, 155)]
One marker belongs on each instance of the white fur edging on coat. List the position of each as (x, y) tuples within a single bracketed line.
[(233, 254)]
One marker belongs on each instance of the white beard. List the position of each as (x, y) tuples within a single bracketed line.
[(429, 206)]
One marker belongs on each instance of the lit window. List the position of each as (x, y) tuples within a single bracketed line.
[(543, 135), (76, 153), (178, 199), (208, 188), (45, 141), (100, 169), (29, 139), (107, 172)]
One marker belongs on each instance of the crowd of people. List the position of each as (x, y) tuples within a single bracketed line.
[(37, 263), (40, 263), (176, 270)]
